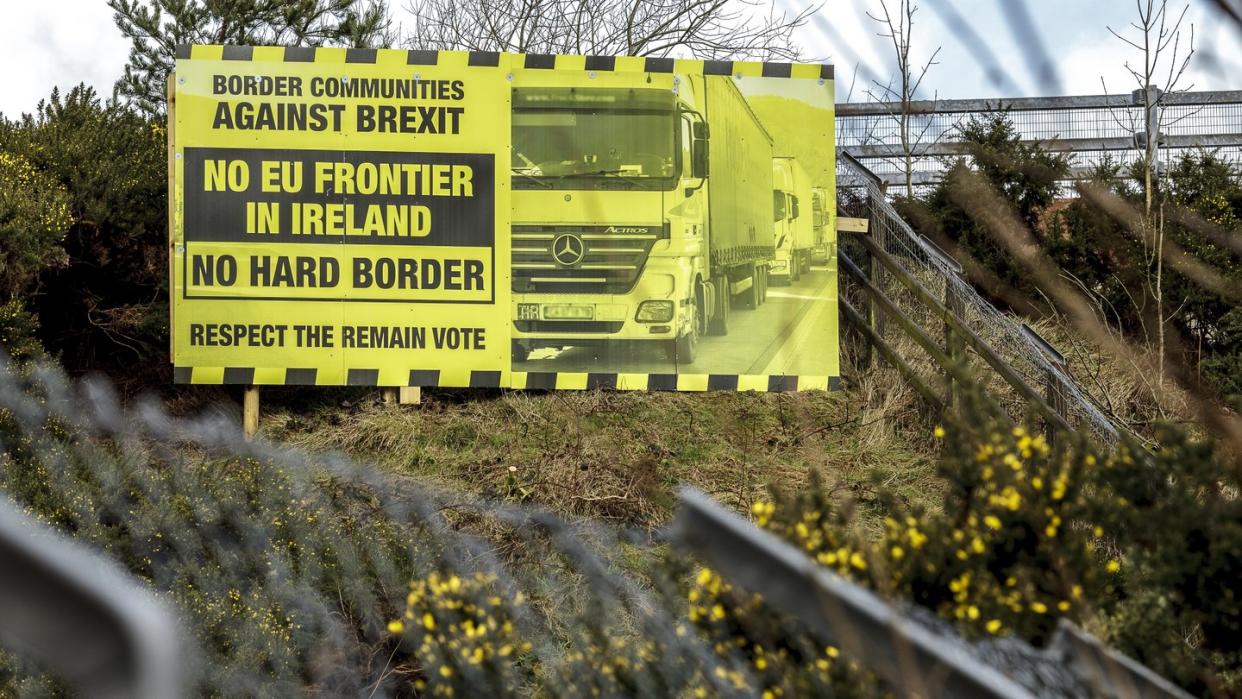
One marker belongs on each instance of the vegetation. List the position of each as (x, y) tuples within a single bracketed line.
[(157, 27), (1026, 176), (92, 273), (621, 456), (454, 594), (1203, 194), (1028, 534), (1102, 243)]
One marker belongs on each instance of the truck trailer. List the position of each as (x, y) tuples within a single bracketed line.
[(792, 211), (641, 209)]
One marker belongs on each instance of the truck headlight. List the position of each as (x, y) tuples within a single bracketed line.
[(654, 312)]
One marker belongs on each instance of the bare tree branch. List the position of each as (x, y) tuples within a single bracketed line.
[(709, 29), (897, 25)]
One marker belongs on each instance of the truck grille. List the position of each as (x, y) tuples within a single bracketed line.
[(569, 326), (611, 258)]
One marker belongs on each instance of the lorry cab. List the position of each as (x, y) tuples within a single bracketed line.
[(611, 195), (792, 216), (819, 220)]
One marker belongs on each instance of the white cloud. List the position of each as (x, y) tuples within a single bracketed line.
[(45, 43), (1074, 32), (57, 43)]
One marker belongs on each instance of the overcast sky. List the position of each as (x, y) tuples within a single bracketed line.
[(46, 43)]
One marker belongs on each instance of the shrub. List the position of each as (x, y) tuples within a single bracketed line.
[(1144, 549), (34, 215), (293, 575), (1025, 175), (102, 276)]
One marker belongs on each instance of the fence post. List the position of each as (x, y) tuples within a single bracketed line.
[(1054, 388), (1054, 393), (954, 343), (875, 271), (250, 412)]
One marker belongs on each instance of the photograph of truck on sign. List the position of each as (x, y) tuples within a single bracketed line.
[(674, 223)]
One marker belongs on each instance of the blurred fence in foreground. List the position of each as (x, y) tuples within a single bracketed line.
[(227, 531)]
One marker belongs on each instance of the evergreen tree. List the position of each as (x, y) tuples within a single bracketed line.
[(157, 27), (1025, 175)]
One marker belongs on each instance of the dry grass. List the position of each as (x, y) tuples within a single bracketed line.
[(621, 456), (1127, 393)]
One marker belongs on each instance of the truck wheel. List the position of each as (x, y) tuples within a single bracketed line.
[(762, 274), (685, 348), (795, 268), (719, 324), (751, 297), (520, 353)]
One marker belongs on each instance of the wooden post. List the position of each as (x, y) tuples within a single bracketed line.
[(410, 395), (250, 412), (1054, 391), (172, 210), (847, 226), (1056, 398), (954, 343), (389, 394)]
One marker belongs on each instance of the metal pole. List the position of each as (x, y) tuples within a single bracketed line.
[(78, 613), (907, 655)]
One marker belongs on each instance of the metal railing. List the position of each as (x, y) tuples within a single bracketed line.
[(78, 613), (914, 652), (1090, 128)]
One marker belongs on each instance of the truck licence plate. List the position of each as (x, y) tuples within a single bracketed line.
[(568, 312), (528, 311)]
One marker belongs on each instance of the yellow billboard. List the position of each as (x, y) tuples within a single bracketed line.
[(346, 217)]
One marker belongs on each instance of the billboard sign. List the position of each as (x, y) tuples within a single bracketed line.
[(393, 218)]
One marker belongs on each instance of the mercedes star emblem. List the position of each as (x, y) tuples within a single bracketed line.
[(568, 249)]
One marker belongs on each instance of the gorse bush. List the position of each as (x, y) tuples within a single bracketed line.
[(92, 237), (1144, 550), (292, 574), (34, 215), (458, 628)]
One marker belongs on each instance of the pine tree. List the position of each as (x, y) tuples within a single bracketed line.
[(156, 27)]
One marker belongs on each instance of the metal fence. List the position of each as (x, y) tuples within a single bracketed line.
[(1014, 357), (1090, 128), (917, 654)]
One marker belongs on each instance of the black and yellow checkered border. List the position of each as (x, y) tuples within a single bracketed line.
[(467, 378), (531, 61)]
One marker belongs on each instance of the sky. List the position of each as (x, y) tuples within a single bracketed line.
[(1075, 34), (46, 43)]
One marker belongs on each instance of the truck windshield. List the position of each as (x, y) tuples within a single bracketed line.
[(592, 149)]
